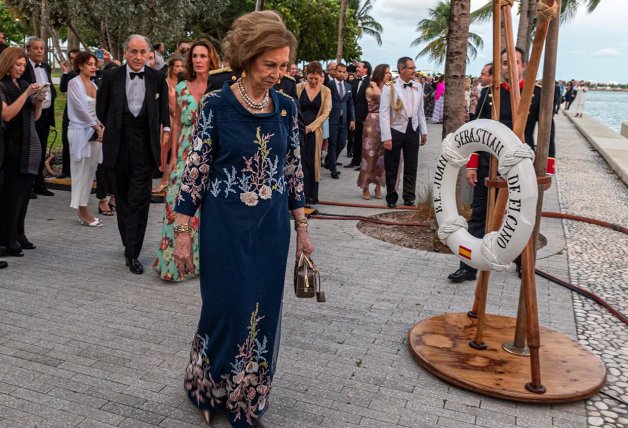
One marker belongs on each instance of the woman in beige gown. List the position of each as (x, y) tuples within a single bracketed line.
[(372, 167)]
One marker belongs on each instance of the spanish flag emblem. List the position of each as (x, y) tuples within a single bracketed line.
[(464, 252)]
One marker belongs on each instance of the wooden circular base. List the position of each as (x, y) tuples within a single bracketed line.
[(569, 372)]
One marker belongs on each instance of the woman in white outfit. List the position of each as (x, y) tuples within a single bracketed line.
[(581, 97), (84, 135)]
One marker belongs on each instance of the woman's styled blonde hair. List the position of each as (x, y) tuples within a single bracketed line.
[(253, 34)]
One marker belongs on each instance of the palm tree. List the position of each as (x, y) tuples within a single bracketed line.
[(434, 32), (527, 23), (341, 28), (367, 24)]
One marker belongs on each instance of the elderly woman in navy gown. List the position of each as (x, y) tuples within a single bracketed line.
[(245, 174)]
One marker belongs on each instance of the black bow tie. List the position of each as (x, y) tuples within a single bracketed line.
[(134, 75), (39, 65), (405, 85), (359, 78)]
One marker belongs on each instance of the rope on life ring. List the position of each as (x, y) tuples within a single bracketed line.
[(496, 250)]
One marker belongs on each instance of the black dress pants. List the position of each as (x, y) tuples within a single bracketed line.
[(14, 199), (132, 182), (337, 143), (407, 143), (310, 185), (65, 154), (357, 143), (42, 126), (477, 222)]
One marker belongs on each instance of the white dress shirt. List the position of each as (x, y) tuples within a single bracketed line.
[(41, 77), (411, 98), (135, 92)]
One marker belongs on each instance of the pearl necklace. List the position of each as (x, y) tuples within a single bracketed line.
[(249, 102)]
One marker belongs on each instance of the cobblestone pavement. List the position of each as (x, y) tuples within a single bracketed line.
[(598, 262), (85, 343)]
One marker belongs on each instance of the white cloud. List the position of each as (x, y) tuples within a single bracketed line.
[(607, 52)]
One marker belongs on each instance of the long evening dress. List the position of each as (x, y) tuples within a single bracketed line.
[(164, 261), (309, 111), (245, 172), (372, 169)]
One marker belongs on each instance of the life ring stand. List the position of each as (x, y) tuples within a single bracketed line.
[(496, 250)]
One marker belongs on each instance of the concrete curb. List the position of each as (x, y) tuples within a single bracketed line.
[(611, 145)]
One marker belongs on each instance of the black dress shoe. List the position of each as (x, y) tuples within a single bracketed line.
[(33, 195), (462, 274), (335, 175), (15, 252), (338, 163), (392, 205), (134, 266), (357, 168), (409, 203), (3, 264), (41, 190), (351, 165), (26, 244)]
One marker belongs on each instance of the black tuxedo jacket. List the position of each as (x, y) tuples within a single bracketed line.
[(29, 76), (110, 108), (359, 98), (342, 105)]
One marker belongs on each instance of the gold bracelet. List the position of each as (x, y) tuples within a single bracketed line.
[(180, 228), (300, 223)]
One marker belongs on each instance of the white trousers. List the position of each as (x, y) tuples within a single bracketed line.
[(83, 172)]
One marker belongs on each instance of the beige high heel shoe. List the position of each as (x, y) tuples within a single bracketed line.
[(378, 192), (366, 194), (207, 416)]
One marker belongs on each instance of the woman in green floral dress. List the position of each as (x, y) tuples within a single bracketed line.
[(200, 61)]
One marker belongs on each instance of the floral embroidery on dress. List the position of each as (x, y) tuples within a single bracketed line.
[(258, 178), (292, 167), (245, 389), (198, 380), (197, 164), (249, 382)]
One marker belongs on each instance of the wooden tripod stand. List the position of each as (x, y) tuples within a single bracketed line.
[(473, 350)]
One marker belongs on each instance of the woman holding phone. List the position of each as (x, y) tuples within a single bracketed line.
[(20, 109)]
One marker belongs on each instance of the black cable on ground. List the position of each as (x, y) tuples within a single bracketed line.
[(583, 292)]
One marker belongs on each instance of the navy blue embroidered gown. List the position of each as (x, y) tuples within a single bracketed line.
[(245, 174)]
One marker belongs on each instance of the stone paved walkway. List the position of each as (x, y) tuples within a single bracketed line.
[(85, 343)]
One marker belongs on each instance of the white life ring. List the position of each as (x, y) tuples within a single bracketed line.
[(496, 250)]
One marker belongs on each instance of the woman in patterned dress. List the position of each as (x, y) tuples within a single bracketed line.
[(202, 59), (372, 169), (244, 172), (439, 100)]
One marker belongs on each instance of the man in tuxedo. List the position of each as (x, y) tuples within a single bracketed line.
[(403, 128), (359, 85), (331, 72), (37, 71), (132, 102), (342, 113)]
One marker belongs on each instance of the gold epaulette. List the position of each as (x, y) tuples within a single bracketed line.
[(220, 70), (289, 77), (284, 94)]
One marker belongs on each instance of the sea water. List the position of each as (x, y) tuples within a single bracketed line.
[(610, 108)]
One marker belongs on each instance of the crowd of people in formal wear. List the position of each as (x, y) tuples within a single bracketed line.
[(242, 142)]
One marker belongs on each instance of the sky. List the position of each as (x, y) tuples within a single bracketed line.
[(592, 47)]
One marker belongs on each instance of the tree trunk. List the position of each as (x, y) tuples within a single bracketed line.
[(456, 65), (259, 5), (524, 27), (455, 70), (341, 29)]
